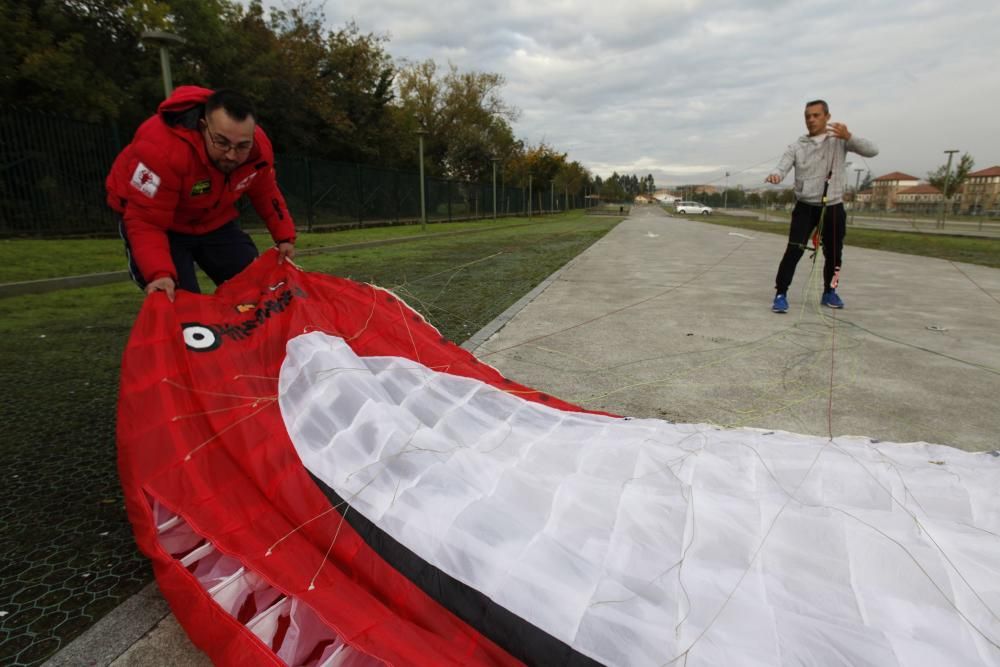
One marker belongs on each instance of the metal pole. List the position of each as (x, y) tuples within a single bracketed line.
[(168, 81), (552, 195), (945, 197), (529, 197), (725, 195), (163, 40), (494, 161), (309, 197), (423, 203)]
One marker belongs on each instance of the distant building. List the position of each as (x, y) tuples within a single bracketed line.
[(981, 191), (864, 200), (884, 189), (921, 198)]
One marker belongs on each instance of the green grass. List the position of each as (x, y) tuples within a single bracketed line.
[(983, 251), (35, 259), (67, 547)]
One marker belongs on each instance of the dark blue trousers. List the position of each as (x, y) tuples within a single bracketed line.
[(221, 253), (805, 217)]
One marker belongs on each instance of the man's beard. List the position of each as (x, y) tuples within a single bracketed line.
[(226, 166)]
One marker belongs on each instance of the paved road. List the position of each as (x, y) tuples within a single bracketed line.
[(670, 317)]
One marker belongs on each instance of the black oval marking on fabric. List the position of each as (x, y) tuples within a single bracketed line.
[(200, 337)]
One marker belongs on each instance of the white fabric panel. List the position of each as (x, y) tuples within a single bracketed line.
[(635, 541)]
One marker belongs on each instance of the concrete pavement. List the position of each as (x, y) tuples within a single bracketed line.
[(670, 317)]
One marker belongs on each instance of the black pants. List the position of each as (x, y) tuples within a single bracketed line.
[(805, 217), (221, 253)]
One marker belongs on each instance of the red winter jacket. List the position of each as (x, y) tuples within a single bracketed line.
[(164, 181)]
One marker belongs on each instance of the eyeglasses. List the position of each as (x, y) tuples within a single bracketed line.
[(223, 144)]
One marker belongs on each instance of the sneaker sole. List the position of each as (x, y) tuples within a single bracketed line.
[(829, 305)]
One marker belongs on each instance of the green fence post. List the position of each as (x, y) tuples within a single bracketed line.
[(309, 196), (361, 198)]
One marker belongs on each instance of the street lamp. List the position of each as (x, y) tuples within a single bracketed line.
[(421, 132), (163, 40)]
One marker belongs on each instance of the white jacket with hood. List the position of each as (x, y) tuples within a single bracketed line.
[(813, 161)]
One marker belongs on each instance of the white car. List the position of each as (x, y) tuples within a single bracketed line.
[(685, 207)]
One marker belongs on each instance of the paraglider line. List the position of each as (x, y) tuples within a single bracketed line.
[(340, 524), (959, 269), (371, 314), (413, 343), (214, 393), (270, 402), (618, 310), (252, 404)]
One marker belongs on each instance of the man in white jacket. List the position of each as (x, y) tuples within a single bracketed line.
[(819, 159)]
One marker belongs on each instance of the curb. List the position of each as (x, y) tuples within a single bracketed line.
[(477, 339), (113, 635)]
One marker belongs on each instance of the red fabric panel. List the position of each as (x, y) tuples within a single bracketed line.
[(201, 432)]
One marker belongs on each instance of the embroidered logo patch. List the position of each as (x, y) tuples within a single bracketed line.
[(145, 180), (201, 187)]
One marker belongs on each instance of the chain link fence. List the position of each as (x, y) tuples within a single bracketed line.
[(52, 172)]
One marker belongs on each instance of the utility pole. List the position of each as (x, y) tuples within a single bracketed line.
[(857, 186), (423, 204), (945, 197)]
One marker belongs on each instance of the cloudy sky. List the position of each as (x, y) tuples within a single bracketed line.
[(689, 89)]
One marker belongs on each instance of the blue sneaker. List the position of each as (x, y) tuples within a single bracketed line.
[(780, 304), (831, 300)]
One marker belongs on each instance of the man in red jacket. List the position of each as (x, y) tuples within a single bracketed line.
[(176, 187)]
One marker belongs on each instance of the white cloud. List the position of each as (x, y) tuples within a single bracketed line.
[(696, 88)]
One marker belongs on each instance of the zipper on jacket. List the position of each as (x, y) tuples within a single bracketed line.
[(225, 187)]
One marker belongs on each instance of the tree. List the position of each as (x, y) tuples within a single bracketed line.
[(79, 58), (734, 197), (466, 120), (957, 178), (612, 189)]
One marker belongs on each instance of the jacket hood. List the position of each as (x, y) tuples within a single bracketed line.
[(184, 98)]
